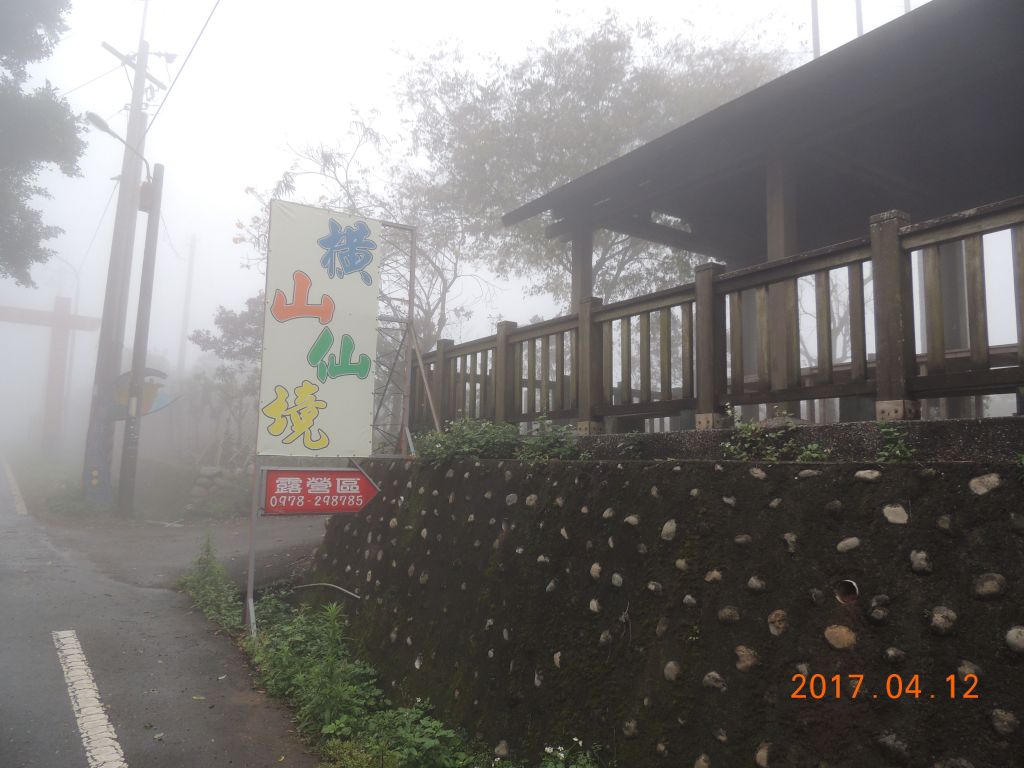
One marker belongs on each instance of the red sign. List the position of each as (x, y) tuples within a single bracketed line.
[(316, 491)]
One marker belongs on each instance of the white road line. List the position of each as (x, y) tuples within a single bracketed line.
[(98, 737), (19, 501)]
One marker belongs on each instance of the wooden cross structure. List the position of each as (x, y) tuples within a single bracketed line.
[(61, 323)]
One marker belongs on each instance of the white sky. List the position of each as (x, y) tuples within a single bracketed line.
[(268, 75)]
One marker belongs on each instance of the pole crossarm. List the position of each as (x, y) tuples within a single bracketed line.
[(48, 318)]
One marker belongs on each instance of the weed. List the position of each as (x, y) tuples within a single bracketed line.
[(208, 584), (813, 452), (468, 439), (304, 656), (752, 441), (894, 446), (576, 756), (549, 441)]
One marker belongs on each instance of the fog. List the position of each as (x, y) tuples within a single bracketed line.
[(267, 77)]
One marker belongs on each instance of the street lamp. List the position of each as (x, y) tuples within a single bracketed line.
[(149, 201), (100, 123)]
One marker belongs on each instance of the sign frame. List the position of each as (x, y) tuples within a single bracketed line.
[(258, 487)]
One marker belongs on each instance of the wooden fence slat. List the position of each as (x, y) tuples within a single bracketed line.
[(823, 323), (574, 378), (1017, 239), (665, 352), (761, 312), (736, 342), (559, 372), (485, 386), (545, 369), (935, 332), (858, 339), (531, 377), (517, 380), (977, 310), (625, 361), (607, 363), (645, 357), (473, 363), (686, 348)]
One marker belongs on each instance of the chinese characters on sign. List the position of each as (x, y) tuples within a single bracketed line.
[(319, 333), (316, 491)]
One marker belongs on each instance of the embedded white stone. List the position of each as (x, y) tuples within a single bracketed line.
[(895, 514), (668, 531), (672, 671), (595, 571), (985, 483)]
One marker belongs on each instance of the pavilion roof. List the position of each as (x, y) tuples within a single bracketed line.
[(925, 114)]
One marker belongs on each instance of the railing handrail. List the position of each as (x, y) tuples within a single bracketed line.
[(955, 226)]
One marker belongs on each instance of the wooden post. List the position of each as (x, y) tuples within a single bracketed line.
[(783, 328), (582, 269), (443, 380), (894, 319), (589, 367), (503, 373), (710, 348)]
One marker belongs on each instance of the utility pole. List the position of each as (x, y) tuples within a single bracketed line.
[(130, 450), (860, 18), (99, 442)]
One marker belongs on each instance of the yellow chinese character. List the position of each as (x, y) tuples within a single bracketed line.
[(300, 416)]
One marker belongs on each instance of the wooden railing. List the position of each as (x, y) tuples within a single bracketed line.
[(733, 338)]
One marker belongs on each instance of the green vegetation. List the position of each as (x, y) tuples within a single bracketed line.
[(480, 439), (468, 439), (304, 657), (813, 452), (894, 446), (752, 441), (207, 584), (549, 441)]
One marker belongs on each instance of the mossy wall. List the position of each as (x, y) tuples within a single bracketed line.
[(661, 609)]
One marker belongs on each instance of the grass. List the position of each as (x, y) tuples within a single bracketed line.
[(304, 657)]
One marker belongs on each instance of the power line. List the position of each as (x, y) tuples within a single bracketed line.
[(90, 82), (183, 64), (99, 225)]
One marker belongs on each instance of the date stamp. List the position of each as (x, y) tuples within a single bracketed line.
[(818, 687)]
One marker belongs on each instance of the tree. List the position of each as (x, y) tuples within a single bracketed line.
[(37, 129), (492, 142), (227, 397)]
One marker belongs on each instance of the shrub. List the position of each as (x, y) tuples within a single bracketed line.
[(813, 452), (752, 441), (549, 441), (468, 439)]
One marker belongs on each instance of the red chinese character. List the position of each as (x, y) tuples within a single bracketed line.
[(300, 307)]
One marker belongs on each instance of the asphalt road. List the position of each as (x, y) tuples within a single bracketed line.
[(176, 694)]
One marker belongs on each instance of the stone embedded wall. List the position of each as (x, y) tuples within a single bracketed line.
[(662, 608)]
